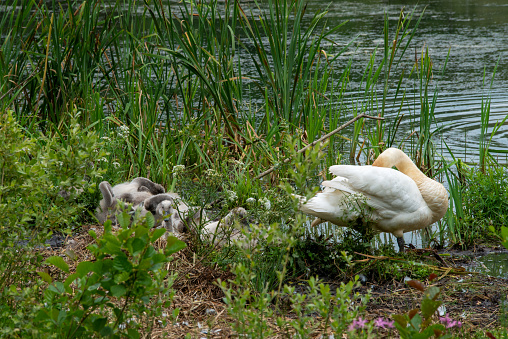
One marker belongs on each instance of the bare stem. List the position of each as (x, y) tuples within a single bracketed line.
[(363, 115)]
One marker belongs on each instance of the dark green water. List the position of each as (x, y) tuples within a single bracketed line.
[(495, 264), (475, 33)]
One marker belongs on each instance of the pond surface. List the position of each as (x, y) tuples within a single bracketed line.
[(494, 265), (475, 33)]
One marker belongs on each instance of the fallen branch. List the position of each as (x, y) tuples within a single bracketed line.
[(363, 115)]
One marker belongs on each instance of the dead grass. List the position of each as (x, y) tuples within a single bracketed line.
[(474, 299)]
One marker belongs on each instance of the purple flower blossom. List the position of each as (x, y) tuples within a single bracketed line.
[(449, 322), (454, 323), (381, 322), (360, 323)]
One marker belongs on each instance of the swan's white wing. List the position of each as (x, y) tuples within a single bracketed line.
[(338, 183), (389, 192)]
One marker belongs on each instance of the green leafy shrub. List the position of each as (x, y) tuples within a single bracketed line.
[(42, 179), (41, 174), (116, 294), (421, 322)]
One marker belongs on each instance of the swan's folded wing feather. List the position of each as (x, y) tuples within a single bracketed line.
[(338, 183), (385, 188)]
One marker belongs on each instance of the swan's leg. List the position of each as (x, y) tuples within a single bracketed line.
[(317, 221), (400, 242)]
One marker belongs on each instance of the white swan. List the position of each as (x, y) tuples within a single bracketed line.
[(388, 200)]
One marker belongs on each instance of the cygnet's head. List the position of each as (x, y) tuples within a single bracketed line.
[(238, 213), (165, 210)]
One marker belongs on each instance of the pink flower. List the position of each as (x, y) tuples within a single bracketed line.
[(454, 323), (360, 323), (446, 320), (449, 322), (381, 322)]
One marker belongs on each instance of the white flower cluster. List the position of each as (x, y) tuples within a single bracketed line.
[(212, 174), (123, 131), (123, 326), (178, 170), (266, 203), (231, 196), (251, 202), (238, 164)]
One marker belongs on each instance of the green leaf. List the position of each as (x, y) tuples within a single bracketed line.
[(58, 288), (106, 331), (58, 262), (84, 268), (122, 263), (92, 234), (46, 277), (416, 321), (400, 319), (71, 254), (99, 323), (132, 333), (94, 287), (124, 219), (150, 220), (123, 276), (150, 251), (140, 231), (137, 245), (432, 292), (429, 307), (118, 290), (69, 281), (158, 233), (174, 245)]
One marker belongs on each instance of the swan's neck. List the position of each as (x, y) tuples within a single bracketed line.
[(395, 157)]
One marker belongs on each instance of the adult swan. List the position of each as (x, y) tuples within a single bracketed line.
[(385, 199)]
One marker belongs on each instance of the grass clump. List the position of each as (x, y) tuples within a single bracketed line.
[(478, 202)]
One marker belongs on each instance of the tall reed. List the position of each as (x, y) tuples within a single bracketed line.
[(368, 99), (292, 68)]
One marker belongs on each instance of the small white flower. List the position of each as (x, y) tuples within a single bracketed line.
[(103, 159), (441, 310), (122, 326), (178, 169), (123, 131), (164, 314), (211, 174), (106, 138), (239, 163), (116, 164), (251, 201), (231, 196), (266, 203)]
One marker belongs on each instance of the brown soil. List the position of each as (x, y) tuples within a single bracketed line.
[(474, 299)]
